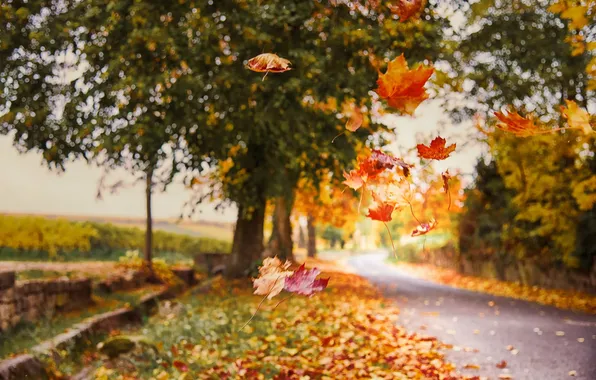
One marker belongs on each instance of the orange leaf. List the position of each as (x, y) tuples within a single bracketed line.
[(353, 180), (576, 117), (355, 120), (407, 8), (520, 126), (268, 62), (437, 149), (425, 228), (502, 364), (377, 162), (382, 210), (403, 88)]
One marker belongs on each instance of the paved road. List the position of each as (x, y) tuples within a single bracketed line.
[(471, 320)]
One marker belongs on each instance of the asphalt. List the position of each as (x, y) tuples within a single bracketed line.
[(537, 342)]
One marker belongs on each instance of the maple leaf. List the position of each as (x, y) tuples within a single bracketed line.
[(378, 162), (355, 120), (268, 62), (424, 228), (272, 275), (406, 8), (513, 122), (437, 149), (382, 210), (577, 117), (353, 180), (403, 88), (305, 282)]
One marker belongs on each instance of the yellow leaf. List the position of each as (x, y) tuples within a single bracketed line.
[(577, 17), (558, 7), (577, 117)]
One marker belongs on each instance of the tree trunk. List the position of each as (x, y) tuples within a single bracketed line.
[(247, 246), (281, 243), (149, 221), (312, 238)]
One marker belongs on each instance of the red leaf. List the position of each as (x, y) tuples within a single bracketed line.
[(437, 149), (174, 350), (268, 62), (378, 162), (180, 366), (403, 88), (425, 228), (502, 364), (304, 281), (382, 210)]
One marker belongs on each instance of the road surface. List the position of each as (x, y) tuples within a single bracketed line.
[(537, 342)]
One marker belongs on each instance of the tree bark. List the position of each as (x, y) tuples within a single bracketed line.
[(312, 238), (247, 245), (281, 243), (149, 220)]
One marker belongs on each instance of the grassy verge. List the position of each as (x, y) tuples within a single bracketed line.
[(562, 299), (26, 335), (348, 331)]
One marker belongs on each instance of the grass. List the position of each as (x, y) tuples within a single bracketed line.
[(26, 335)]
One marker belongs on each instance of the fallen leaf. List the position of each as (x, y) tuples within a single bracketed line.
[(573, 373), (559, 333), (180, 366), (472, 366), (502, 364), (580, 340), (436, 150), (509, 347), (403, 88), (268, 62)]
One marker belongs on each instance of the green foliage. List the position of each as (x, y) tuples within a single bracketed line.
[(60, 237)]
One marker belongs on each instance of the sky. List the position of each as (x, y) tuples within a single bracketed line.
[(27, 186)]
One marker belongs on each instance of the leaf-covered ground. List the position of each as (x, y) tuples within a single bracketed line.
[(562, 299), (347, 331)]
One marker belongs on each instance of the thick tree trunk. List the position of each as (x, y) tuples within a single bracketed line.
[(247, 246), (149, 221), (281, 243), (312, 238)]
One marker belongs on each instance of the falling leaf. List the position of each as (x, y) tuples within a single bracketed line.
[(424, 228), (502, 364), (268, 62), (180, 366), (513, 122), (304, 282), (382, 210), (378, 162), (272, 275), (437, 149), (406, 8), (403, 88), (577, 117), (355, 119), (353, 180)]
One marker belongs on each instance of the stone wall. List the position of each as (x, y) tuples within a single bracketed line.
[(524, 272), (34, 299)]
